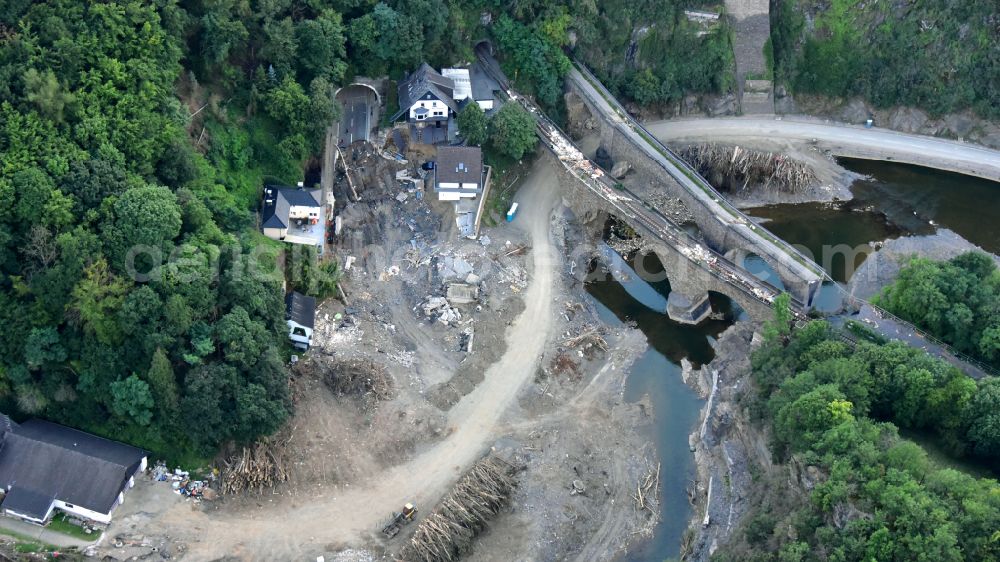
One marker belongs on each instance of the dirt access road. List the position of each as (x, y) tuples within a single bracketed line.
[(840, 139), (350, 516)]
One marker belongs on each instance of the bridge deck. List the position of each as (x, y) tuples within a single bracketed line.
[(630, 207), (770, 246)]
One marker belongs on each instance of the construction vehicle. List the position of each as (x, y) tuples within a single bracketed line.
[(398, 519)]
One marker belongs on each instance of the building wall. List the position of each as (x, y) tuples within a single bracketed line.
[(87, 513), (11, 513), (275, 233), (301, 211), (454, 195), (432, 106), (306, 339), (485, 105)]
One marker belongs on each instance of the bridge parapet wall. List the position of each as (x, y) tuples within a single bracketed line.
[(685, 276), (651, 181)]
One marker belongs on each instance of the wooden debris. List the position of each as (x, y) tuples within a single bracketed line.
[(590, 337), (769, 170), (647, 490), (368, 380), (447, 533), (255, 468)]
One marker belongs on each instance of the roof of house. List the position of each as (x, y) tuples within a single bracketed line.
[(422, 81), (459, 164), (300, 309), (463, 85), (483, 86), (278, 200), (40, 459), (25, 501)]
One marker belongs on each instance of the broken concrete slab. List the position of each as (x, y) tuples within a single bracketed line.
[(462, 293)]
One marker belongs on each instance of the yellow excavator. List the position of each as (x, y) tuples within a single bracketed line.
[(398, 519)]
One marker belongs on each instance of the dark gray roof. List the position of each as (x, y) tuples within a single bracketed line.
[(424, 80), (278, 200), (300, 309), (459, 164), (483, 87), (59, 462), (26, 501)]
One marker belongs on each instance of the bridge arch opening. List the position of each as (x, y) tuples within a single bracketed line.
[(725, 309), (757, 266)]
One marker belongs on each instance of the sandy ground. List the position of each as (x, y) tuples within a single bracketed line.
[(350, 515)]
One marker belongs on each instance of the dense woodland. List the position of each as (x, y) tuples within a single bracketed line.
[(137, 299), (834, 409), (957, 300), (939, 56)]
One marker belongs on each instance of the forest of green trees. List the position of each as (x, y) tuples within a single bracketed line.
[(136, 298), (939, 56), (836, 407), (957, 301)]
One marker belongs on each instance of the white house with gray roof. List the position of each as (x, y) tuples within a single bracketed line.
[(458, 172), (46, 467), (293, 214)]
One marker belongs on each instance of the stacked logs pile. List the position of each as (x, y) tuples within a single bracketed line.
[(447, 533), (746, 168), (255, 468)]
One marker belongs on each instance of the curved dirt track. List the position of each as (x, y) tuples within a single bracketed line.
[(840, 139), (351, 515)]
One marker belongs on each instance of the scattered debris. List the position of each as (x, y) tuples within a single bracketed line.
[(369, 380), (462, 293), (752, 168), (440, 308)]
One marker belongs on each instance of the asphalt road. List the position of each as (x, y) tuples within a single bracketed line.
[(360, 113), (840, 139), (356, 121)]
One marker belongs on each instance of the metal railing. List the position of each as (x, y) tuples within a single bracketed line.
[(731, 274), (717, 265)]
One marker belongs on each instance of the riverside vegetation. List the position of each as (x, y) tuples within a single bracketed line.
[(152, 124), (940, 56), (956, 300), (867, 494)]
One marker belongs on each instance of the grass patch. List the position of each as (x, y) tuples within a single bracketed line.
[(244, 156), (60, 524), (507, 175)]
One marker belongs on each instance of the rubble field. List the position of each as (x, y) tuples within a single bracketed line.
[(425, 314)]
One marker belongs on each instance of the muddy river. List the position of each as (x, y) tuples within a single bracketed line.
[(894, 200), (658, 374)]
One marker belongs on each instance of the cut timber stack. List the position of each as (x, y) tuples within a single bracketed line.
[(447, 533)]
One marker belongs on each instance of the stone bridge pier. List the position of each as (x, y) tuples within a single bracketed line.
[(719, 230), (690, 283), (688, 302)]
